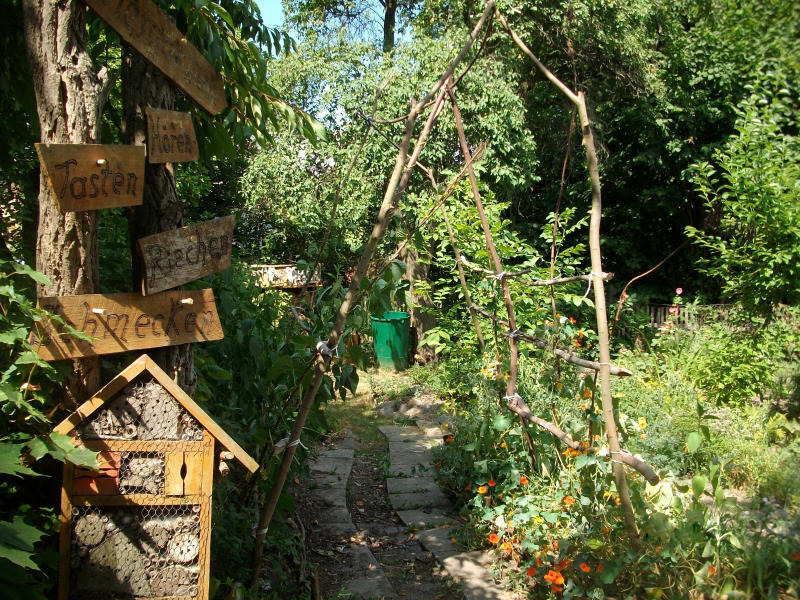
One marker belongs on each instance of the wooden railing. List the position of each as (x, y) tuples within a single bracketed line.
[(686, 316)]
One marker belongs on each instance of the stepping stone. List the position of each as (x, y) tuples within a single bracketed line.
[(424, 518), (412, 443), (404, 485), (338, 453), (373, 584), (327, 497), (326, 464), (328, 481), (395, 433), (412, 500), (348, 443), (438, 541), (411, 458), (413, 470), (475, 579)]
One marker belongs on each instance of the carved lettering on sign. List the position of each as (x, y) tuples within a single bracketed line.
[(93, 176), (178, 256), (170, 136), (142, 24), (122, 322)]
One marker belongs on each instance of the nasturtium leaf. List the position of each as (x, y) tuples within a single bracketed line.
[(694, 440), (501, 422)]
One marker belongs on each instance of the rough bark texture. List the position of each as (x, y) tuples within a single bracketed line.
[(69, 100), (389, 23), (161, 210), (421, 317)]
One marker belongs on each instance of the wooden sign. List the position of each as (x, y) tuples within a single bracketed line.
[(175, 257), (92, 176), (170, 136), (122, 322), (142, 24)]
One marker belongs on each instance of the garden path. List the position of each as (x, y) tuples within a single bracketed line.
[(379, 527)]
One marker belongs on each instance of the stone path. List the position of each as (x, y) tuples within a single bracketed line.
[(421, 504), (328, 484)]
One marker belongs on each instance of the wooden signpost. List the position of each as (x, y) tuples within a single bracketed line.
[(170, 136), (93, 176), (122, 322), (145, 27), (181, 255)]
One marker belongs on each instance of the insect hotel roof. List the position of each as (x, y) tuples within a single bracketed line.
[(138, 527)]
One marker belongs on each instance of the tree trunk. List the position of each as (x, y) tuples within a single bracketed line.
[(69, 99), (422, 318), (389, 22), (142, 86)]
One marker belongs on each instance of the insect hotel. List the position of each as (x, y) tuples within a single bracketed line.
[(140, 526)]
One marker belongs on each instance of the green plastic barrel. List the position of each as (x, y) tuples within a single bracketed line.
[(391, 335)]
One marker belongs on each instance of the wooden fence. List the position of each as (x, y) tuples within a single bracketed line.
[(686, 316)]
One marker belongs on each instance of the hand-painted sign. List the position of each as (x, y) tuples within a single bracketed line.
[(122, 322), (170, 136), (181, 255), (142, 24), (92, 176)]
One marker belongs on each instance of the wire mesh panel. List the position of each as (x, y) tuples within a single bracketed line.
[(143, 410), (136, 552)]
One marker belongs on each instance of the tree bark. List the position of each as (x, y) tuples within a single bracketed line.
[(161, 210), (422, 318), (389, 23), (69, 100)]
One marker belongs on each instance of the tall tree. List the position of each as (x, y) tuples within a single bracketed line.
[(69, 100)]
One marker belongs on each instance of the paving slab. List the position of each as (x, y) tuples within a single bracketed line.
[(411, 470), (373, 584), (396, 433), (403, 485), (439, 542), (411, 458), (411, 500), (425, 518), (412, 445), (332, 464), (329, 497), (475, 579), (339, 453), (328, 481)]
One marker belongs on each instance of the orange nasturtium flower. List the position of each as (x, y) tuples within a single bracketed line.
[(524, 480), (562, 565), (531, 572), (711, 570), (504, 445), (491, 483), (448, 438), (577, 343), (506, 547), (599, 567), (585, 567), (494, 538), (482, 489), (794, 555), (569, 500), (554, 577), (573, 320)]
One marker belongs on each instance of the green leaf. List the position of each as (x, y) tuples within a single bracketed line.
[(9, 460), (699, 485), (694, 440), (16, 542), (60, 447), (501, 422)]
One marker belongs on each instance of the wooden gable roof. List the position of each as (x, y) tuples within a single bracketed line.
[(131, 372)]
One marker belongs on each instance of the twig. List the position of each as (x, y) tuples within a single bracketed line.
[(517, 405), (543, 345)]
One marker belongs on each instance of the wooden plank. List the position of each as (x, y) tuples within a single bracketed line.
[(93, 176), (193, 480), (204, 559), (173, 480), (123, 322), (141, 445), (136, 500), (64, 542), (175, 257), (90, 486), (145, 27), (170, 136)]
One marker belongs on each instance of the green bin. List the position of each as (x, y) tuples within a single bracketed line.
[(391, 335)]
